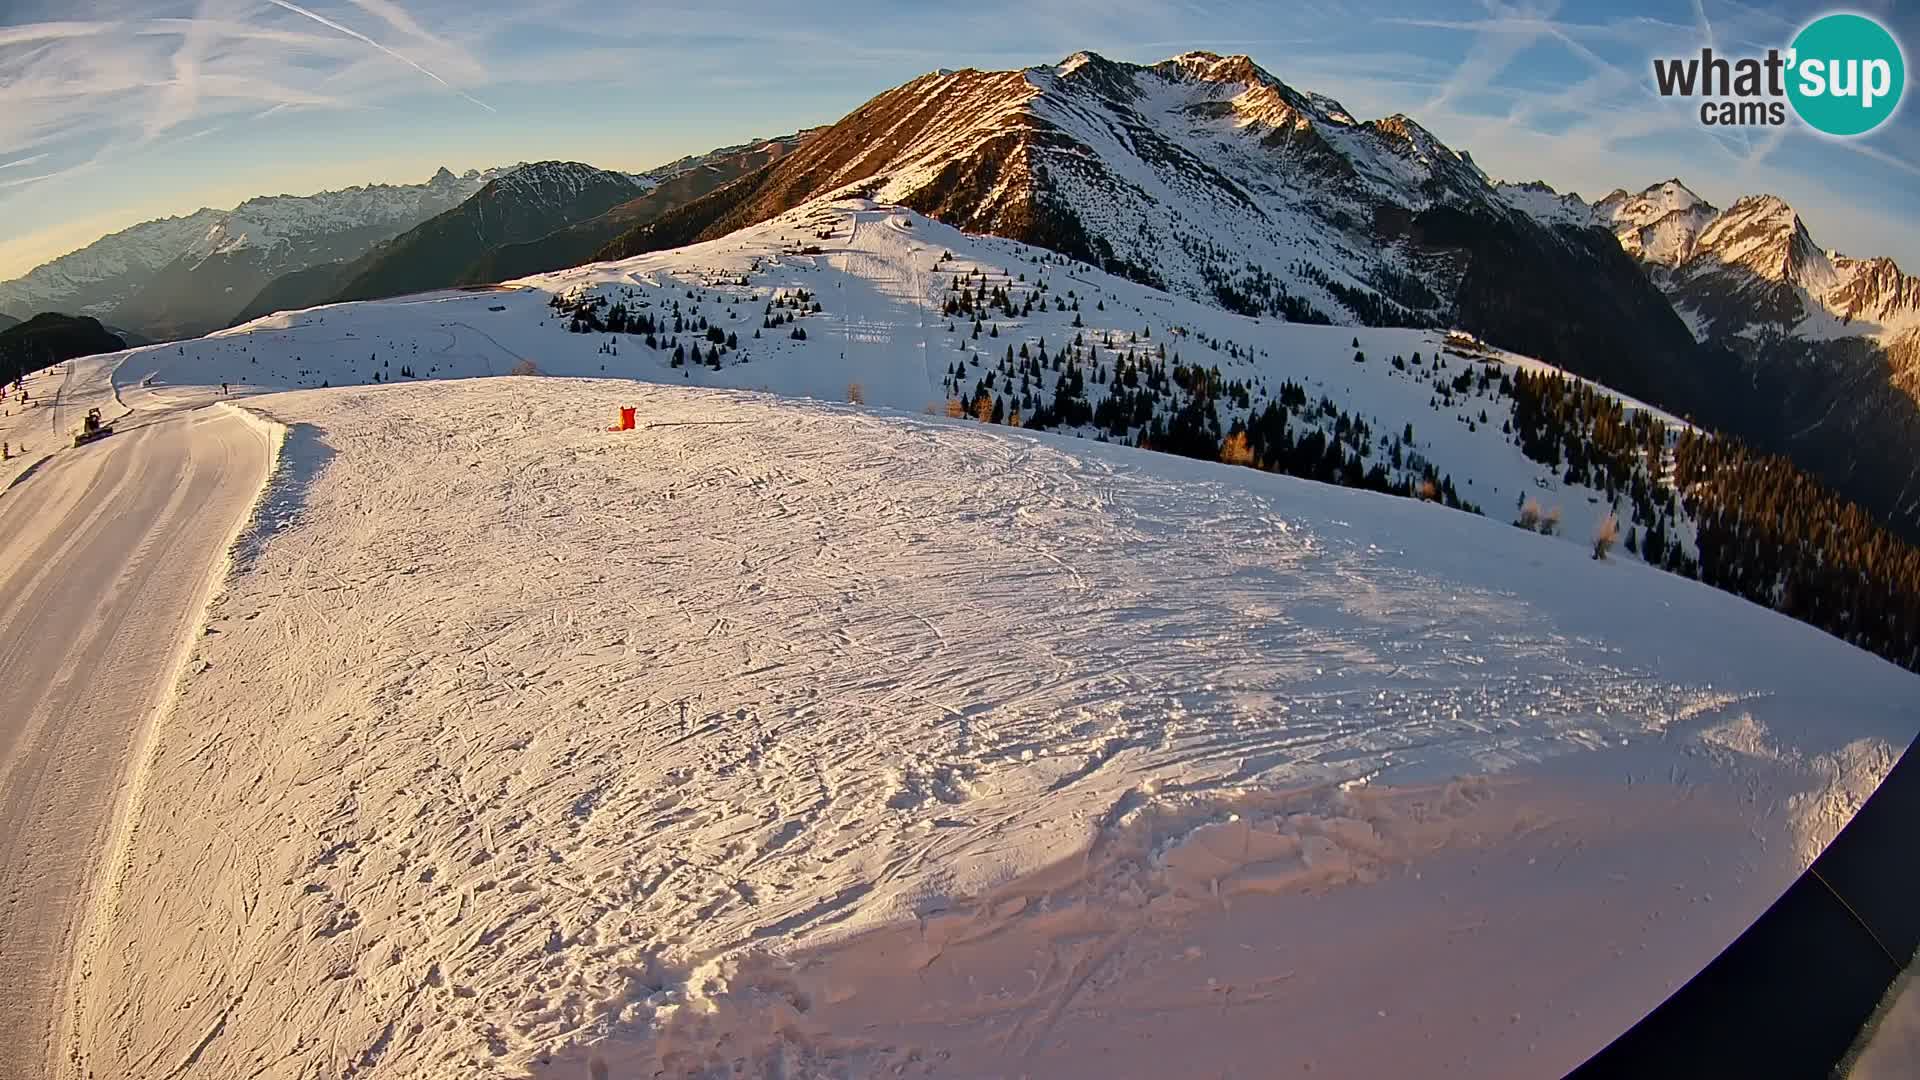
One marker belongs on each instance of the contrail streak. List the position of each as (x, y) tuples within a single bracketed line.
[(350, 32)]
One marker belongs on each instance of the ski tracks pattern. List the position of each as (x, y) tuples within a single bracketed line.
[(517, 723)]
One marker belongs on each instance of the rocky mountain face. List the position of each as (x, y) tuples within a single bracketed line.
[(522, 205), (1209, 177), (187, 275), (669, 187), (1827, 346), (1159, 171)]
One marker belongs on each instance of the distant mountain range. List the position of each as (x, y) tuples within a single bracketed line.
[(187, 275), (1202, 175), (671, 186), (524, 203), (532, 218)]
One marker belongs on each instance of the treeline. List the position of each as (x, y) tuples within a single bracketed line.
[(1778, 537), (1763, 529), (50, 338), (1157, 402), (1591, 439)]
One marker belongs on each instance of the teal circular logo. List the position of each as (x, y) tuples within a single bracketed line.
[(1847, 74)]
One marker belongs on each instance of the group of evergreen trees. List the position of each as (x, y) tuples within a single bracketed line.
[(1775, 535), (969, 295), (1157, 401), (48, 339), (597, 313), (1763, 529)]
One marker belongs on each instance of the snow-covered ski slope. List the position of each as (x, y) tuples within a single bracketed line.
[(804, 738), (808, 740), (882, 277)]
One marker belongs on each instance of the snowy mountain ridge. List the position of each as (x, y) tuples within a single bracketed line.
[(275, 220), (1205, 174), (1827, 345), (99, 278), (94, 278), (1749, 250), (559, 181), (680, 166)]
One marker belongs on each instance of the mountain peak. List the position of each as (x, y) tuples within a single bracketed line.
[(1109, 78), (1756, 263), (1213, 67), (1765, 236), (552, 183), (1539, 200), (1764, 205), (443, 177), (1661, 224), (1675, 194)]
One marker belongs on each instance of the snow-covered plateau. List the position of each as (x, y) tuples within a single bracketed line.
[(783, 736)]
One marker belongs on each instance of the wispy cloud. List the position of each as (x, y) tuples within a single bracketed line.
[(22, 181), (51, 31), (350, 32), (79, 93)]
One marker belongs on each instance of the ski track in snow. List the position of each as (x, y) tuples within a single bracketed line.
[(518, 744)]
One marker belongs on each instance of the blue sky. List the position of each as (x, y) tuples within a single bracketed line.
[(112, 113)]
